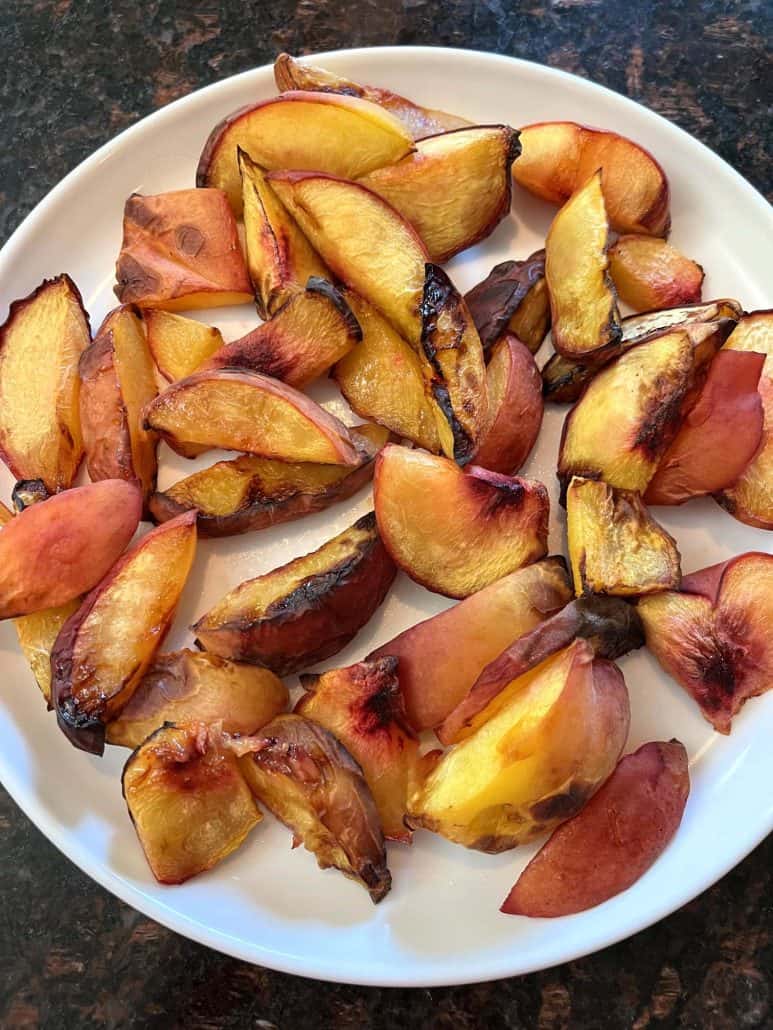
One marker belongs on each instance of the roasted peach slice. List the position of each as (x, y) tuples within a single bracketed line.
[(181, 250), (188, 800), (179, 345), (613, 841), (585, 319), (513, 297), (714, 637), (37, 633), (305, 611), (491, 524), (195, 687), (557, 157), (245, 411), (40, 344), (104, 648), (454, 189), (363, 707), (299, 771), (650, 273), (515, 407), (545, 745), (322, 132)]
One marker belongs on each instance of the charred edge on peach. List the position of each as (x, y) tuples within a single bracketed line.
[(84, 730), (562, 806), (316, 284), (563, 380), (27, 492), (494, 301), (661, 421)]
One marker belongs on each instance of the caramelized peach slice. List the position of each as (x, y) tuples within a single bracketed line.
[(515, 407), (179, 345), (650, 273), (512, 297)]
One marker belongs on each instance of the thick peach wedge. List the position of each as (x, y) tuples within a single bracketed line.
[(490, 524), (104, 648), (302, 774), (363, 707), (544, 746), (192, 686), (557, 157), (613, 841), (714, 637), (454, 189), (188, 800), (40, 344), (181, 250), (250, 493), (313, 330), (179, 345), (649, 273), (585, 319), (440, 658), (513, 297), (303, 131), (305, 611), (244, 411)]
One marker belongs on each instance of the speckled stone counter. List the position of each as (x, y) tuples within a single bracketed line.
[(74, 73)]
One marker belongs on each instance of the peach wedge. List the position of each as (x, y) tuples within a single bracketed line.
[(179, 345), (650, 273), (512, 298)]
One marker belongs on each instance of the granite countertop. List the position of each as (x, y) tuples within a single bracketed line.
[(72, 76)]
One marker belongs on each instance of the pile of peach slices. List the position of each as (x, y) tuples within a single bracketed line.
[(350, 198)]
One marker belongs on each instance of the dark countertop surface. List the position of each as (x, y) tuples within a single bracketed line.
[(72, 76)]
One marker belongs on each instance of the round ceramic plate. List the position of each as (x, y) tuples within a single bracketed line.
[(441, 923)]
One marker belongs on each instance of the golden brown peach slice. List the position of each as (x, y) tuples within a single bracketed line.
[(37, 633), (305, 611), (179, 345), (188, 800), (40, 344), (454, 189), (104, 648), (310, 782), (543, 747), (181, 250), (613, 841), (557, 157), (512, 297), (490, 524), (363, 708), (650, 273), (192, 686), (303, 131), (515, 407)]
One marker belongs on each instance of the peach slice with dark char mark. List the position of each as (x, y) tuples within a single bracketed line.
[(649, 273), (513, 297)]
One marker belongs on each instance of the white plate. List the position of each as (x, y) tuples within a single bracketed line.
[(441, 922)]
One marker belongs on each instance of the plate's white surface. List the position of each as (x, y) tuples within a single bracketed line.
[(441, 922)]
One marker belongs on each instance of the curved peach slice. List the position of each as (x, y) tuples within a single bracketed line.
[(310, 782), (321, 132), (37, 634), (192, 686), (104, 648), (717, 644), (490, 524), (650, 273), (545, 745), (40, 344), (512, 297), (454, 189), (305, 611), (188, 800), (557, 157), (179, 345), (245, 411), (613, 841)]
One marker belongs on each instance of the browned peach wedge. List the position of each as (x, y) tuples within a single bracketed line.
[(583, 306), (649, 273), (104, 648), (310, 782), (55, 550), (513, 297), (544, 746), (515, 407), (363, 708), (188, 800), (192, 686), (304, 131), (244, 411), (613, 841), (40, 344), (313, 330), (250, 493), (181, 250), (305, 611), (750, 499), (557, 157), (718, 437), (419, 121), (491, 524), (714, 637), (179, 345), (454, 189)]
